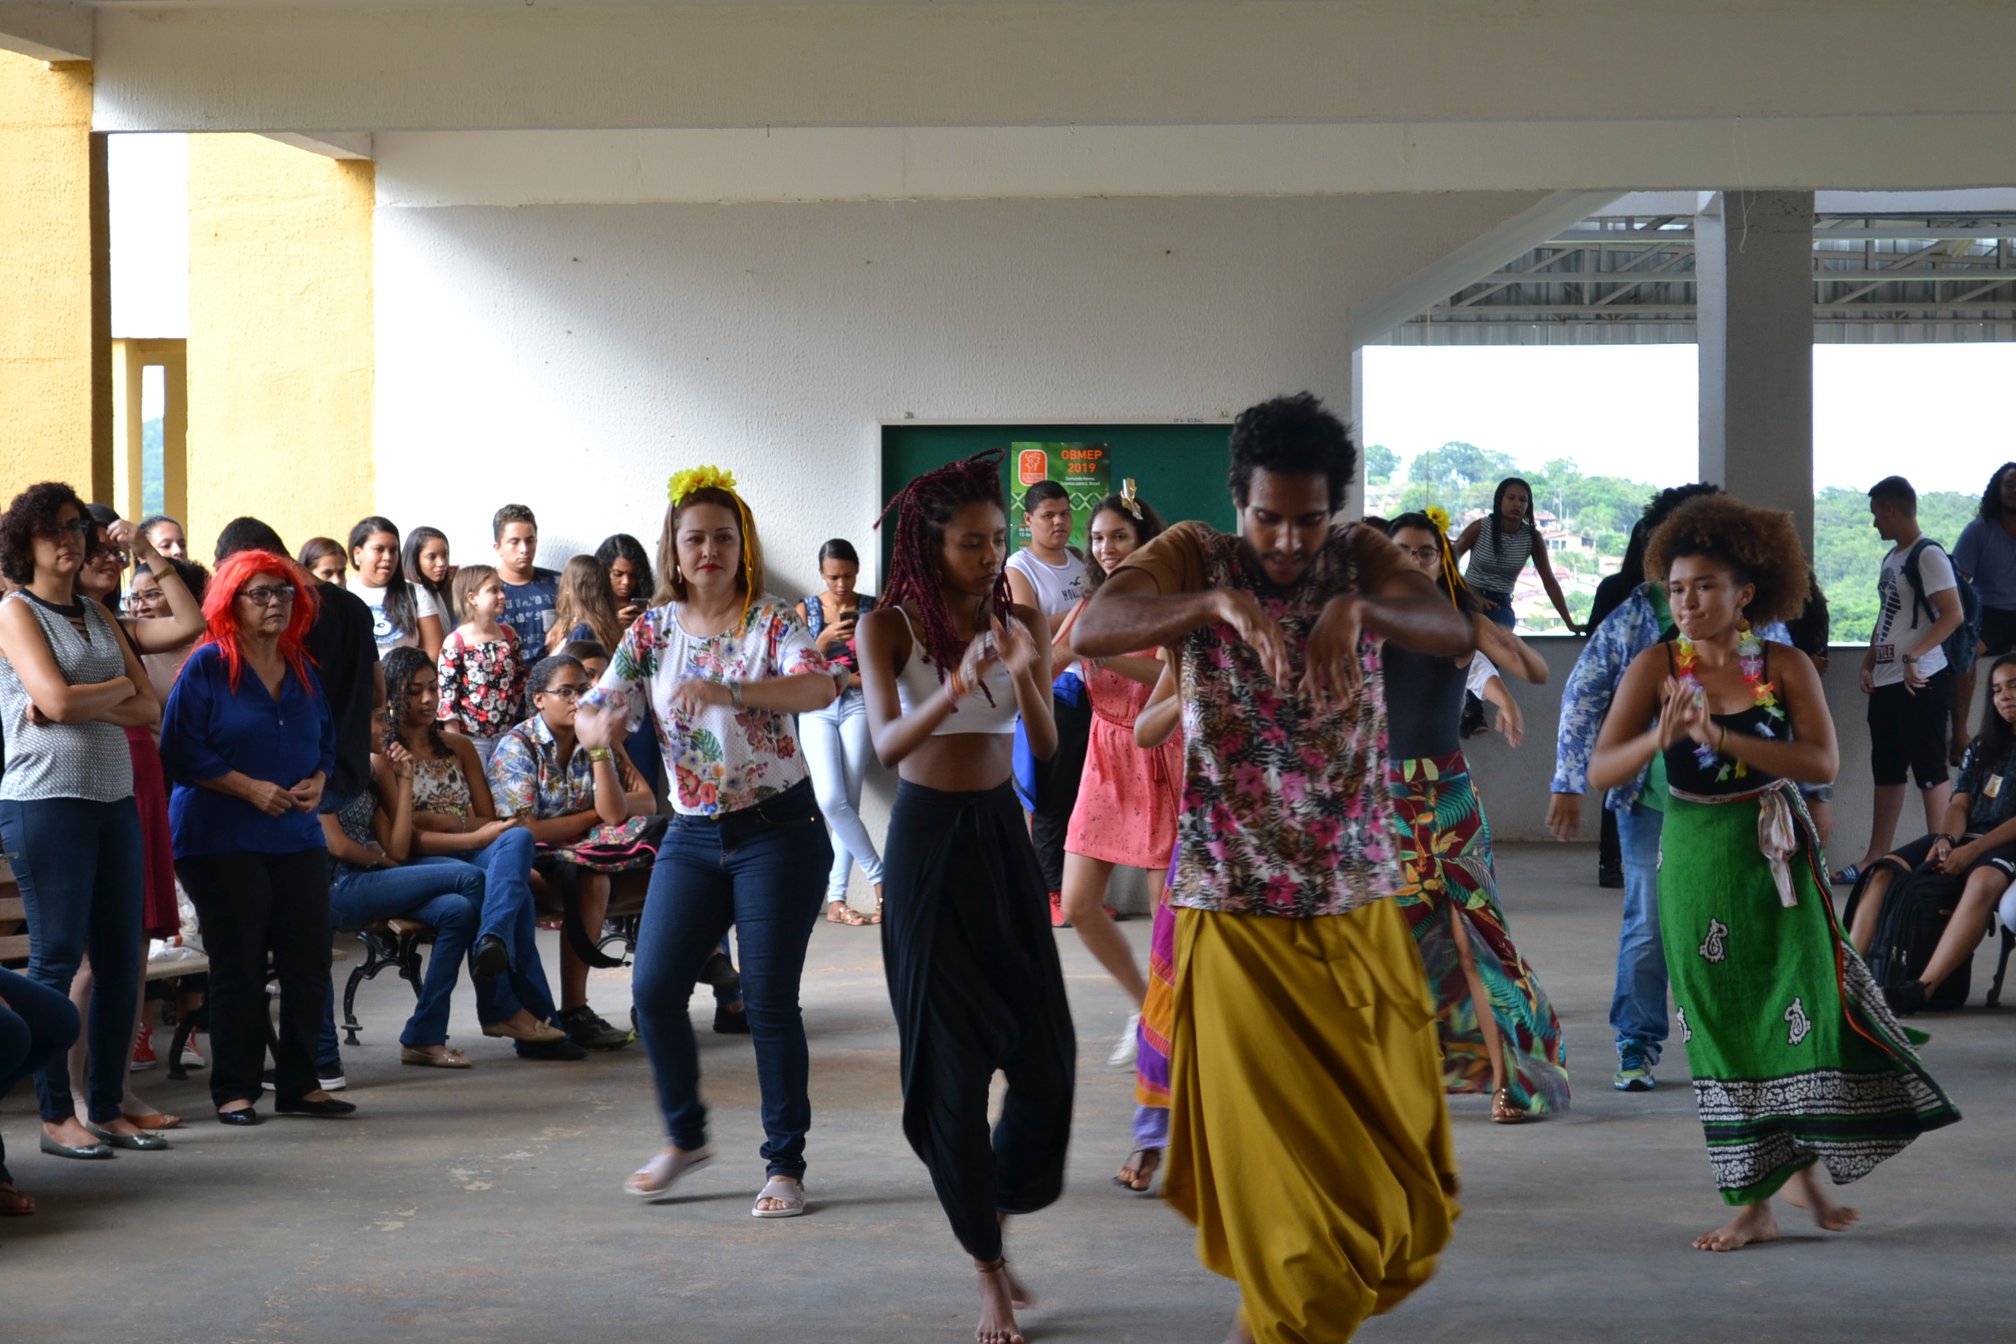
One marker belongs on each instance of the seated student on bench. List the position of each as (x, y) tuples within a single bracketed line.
[(1978, 840)]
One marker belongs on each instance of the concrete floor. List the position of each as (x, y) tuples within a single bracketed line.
[(487, 1205)]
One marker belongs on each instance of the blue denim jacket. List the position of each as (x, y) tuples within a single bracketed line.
[(1625, 633)]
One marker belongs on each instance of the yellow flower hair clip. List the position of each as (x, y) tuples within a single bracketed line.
[(1439, 516), (684, 483)]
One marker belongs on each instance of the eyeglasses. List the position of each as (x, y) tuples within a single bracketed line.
[(267, 597), (564, 692), (80, 527)]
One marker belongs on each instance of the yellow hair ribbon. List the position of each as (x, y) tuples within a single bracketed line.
[(1128, 499)]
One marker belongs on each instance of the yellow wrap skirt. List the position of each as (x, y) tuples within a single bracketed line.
[(1309, 1141)]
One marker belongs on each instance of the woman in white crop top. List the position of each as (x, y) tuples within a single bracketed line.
[(946, 662), (724, 665)]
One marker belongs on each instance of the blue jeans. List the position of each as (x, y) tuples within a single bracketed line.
[(761, 869), (509, 914), (1638, 1009), (437, 891), (1501, 612), (37, 1025), (79, 866), (837, 750)]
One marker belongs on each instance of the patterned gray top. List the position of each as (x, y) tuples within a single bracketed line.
[(66, 760)]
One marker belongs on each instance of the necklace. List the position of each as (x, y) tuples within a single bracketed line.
[(1749, 658)]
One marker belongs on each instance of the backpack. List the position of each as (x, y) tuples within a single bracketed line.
[(1916, 910), (1962, 643)]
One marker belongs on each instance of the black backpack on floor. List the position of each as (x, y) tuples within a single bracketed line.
[(1916, 910)]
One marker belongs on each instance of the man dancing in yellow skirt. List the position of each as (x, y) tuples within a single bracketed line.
[(1309, 1141)]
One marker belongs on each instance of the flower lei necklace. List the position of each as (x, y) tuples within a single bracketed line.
[(1750, 658)]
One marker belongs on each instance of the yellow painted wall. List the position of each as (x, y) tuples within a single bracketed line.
[(49, 398), (280, 339)]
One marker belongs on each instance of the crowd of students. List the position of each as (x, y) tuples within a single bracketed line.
[(1268, 721)]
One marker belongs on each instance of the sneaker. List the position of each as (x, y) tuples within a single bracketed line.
[(1847, 877), (1634, 1073), (1129, 1045), (192, 1058), (564, 1049), (587, 1030), (1611, 879), (1057, 920), (143, 1050), (330, 1080)]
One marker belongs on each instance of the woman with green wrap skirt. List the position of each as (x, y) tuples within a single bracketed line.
[(1796, 1059)]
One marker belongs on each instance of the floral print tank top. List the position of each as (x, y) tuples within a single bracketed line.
[(1285, 808), (439, 786)]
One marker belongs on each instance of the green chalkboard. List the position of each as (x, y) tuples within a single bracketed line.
[(1180, 469)]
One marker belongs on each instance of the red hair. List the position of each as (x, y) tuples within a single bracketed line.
[(220, 609)]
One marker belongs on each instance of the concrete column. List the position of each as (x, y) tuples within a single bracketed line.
[(55, 349), (1754, 268)]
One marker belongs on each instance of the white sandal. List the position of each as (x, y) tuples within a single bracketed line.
[(785, 1191), (661, 1171)]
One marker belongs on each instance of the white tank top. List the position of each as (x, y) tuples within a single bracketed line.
[(1057, 586), (918, 682)]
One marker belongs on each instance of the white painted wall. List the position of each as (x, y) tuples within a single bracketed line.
[(572, 357)]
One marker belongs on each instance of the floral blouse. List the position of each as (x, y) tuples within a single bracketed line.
[(720, 760), (1285, 807), (482, 684), (526, 776)]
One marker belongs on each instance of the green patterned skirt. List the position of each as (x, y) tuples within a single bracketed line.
[(1796, 1058)]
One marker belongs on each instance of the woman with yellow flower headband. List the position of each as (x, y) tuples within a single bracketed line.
[(723, 665), (1499, 1032)]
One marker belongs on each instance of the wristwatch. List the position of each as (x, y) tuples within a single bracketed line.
[(734, 693)]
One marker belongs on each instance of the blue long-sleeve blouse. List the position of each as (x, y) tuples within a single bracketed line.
[(208, 730)]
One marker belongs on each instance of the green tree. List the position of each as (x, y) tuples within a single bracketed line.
[(1848, 555), (1459, 476), (1380, 462)]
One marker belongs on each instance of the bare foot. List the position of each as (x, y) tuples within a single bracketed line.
[(997, 1307), (1803, 1191), (70, 1133), (14, 1203), (1137, 1173), (1753, 1224)]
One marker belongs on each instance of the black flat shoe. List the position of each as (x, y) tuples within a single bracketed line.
[(490, 960), (327, 1109), (244, 1119), (729, 1022)]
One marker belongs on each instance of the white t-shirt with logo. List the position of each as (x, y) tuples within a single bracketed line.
[(1900, 623), (1058, 587), (381, 624)]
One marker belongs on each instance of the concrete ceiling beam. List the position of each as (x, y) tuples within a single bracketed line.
[(329, 144), (417, 66), (46, 30)]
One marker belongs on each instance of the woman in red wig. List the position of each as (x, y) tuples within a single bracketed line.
[(248, 740)]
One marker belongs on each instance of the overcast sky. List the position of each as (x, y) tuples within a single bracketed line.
[(1940, 414)]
